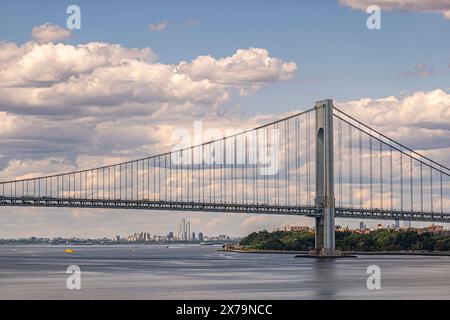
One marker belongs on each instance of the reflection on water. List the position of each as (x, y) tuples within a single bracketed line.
[(325, 276), (202, 272)]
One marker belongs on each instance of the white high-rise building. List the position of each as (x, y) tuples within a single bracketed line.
[(188, 231)]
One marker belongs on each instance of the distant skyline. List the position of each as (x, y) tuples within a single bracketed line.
[(117, 88)]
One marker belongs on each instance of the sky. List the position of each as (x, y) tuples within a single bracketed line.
[(115, 89)]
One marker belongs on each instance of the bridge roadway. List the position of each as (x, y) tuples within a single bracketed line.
[(310, 211)]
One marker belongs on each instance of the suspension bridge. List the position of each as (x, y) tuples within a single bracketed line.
[(321, 163)]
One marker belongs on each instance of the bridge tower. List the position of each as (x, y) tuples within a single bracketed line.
[(325, 202)]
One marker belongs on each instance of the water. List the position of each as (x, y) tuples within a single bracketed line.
[(202, 272)]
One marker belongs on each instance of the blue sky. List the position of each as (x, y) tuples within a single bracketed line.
[(336, 57), (336, 54)]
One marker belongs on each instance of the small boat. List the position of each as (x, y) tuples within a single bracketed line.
[(69, 251)]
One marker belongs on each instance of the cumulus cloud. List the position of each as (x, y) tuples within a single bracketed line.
[(424, 6), (49, 33), (249, 66), (419, 70), (51, 78), (39, 65), (420, 120), (158, 26)]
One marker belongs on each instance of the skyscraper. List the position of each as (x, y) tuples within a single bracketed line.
[(182, 230), (188, 231)]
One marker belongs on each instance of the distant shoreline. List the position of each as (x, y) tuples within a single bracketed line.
[(263, 251), (367, 253), (118, 244)]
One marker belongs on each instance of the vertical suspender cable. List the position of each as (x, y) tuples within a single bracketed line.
[(296, 161), (361, 196), (257, 167), (339, 128), (350, 165), (214, 172), (225, 169), (165, 177), (243, 168), (370, 172), (401, 181), (154, 179), (411, 183), (381, 175), (246, 168), (192, 174), (391, 178), (442, 204), (277, 180), (421, 187), (308, 180), (288, 167), (159, 178), (431, 187), (181, 175), (235, 170), (266, 150)]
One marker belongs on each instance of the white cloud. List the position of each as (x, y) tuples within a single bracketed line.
[(40, 65), (247, 66), (49, 33), (99, 77), (158, 26), (424, 6), (419, 120)]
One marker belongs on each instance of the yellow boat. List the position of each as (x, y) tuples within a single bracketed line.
[(69, 251)]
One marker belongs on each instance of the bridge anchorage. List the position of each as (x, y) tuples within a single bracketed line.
[(359, 173)]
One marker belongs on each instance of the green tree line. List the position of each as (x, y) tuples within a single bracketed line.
[(379, 240)]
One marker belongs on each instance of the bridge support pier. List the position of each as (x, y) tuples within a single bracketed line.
[(325, 233)]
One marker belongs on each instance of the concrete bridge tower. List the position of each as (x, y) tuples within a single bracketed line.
[(325, 202)]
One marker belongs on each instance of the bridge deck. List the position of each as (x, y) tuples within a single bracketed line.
[(310, 211)]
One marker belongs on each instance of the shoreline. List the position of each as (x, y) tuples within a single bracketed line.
[(366, 253), (263, 251)]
